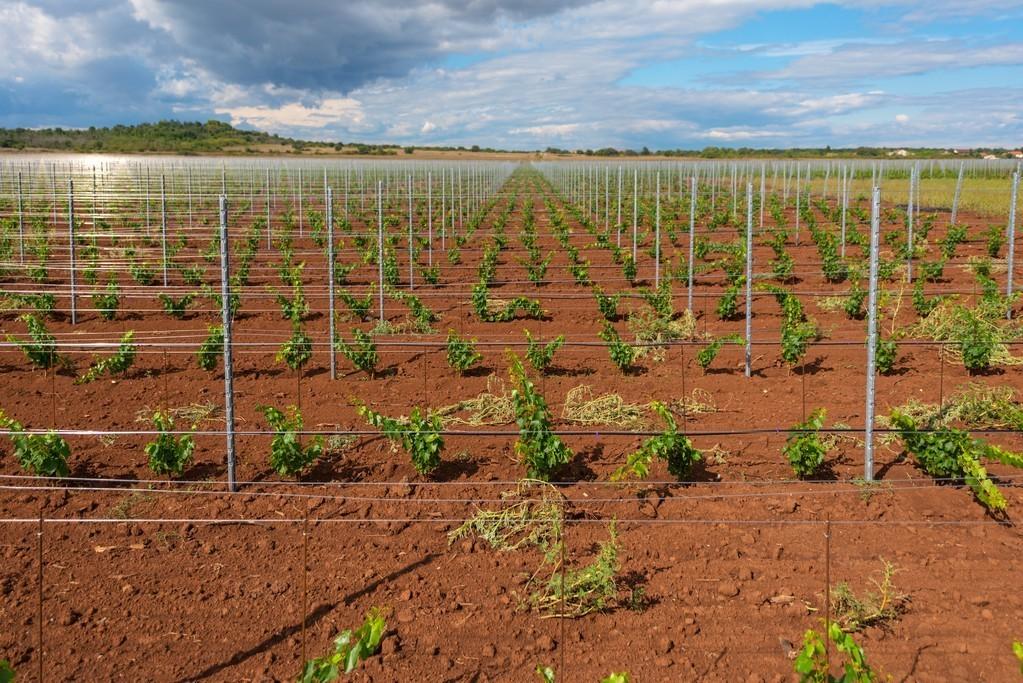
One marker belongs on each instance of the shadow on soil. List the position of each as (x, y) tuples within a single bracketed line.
[(312, 617)]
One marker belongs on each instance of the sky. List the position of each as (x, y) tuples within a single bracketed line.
[(528, 74)]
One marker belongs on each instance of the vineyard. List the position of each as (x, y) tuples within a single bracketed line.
[(482, 421)]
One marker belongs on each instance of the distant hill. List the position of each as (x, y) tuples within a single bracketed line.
[(167, 136), (217, 137)]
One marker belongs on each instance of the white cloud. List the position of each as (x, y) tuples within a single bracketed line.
[(902, 118), (336, 111), (858, 60), (428, 127), (741, 134), (557, 130)]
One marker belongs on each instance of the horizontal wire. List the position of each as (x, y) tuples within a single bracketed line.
[(639, 521), (884, 486)]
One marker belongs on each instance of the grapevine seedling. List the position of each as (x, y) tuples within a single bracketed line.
[(359, 306), (169, 454), (419, 434), (885, 354), (107, 303), (995, 240), (235, 300), (536, 267), (350, 648), (212, 347), (932, 271), (629, 269), (42, 350), (854, 301), (297, 350), (708, 353), (140, 272), (43, 304), (804, 447), (462, 353), (120, 362), (812, 662), (728, 307), (430, 275), (540, 357), (948, 453), (362, 352), (44, 455), (670, 445), (537, 446), (607, 305), (622, 354), (175, 308), (287, 455), (977, 341), (422, 317), (922, 304), (660, 299), (481, 305), (546, 675)]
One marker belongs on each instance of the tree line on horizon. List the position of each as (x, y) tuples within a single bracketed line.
[(194, 137)]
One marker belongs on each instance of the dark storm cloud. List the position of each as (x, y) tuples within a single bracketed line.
[(325, 44)]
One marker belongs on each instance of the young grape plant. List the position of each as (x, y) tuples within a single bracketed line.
[(462, 354), (168, 454), (44, 455), (350, 648), (538, 447), (119, 363), (419, 434), (670, 445), (804, 447), (288, 457)]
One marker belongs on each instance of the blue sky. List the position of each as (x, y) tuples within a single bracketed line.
[(528, 74)]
